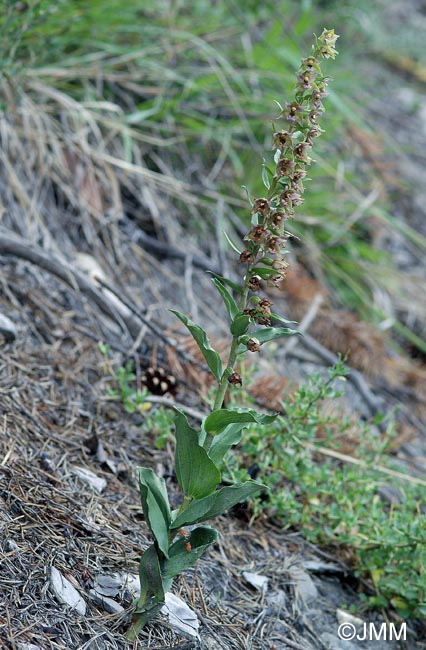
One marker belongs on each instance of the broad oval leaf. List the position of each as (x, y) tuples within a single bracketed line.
[(150, 578), (182, 556), (196, 473), (239, 325), (155, 506), (226, 426), (219, 419), (211, 356), (223, 442), (230, 304), (264, 272), (217, 503)]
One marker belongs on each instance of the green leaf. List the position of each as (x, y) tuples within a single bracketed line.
[(265, 177), (152, 595), (264, 272), (226, 426), (236, 287), (223, 442), (196, 473), (211, 356), (231, 243), (271, 333), (281, 319), (155, 505), (181, 558), (230, 304), (150, 578), (240, 324), (219, 419), (217, 503)]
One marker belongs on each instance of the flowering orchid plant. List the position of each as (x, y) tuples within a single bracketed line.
[(178, 539)]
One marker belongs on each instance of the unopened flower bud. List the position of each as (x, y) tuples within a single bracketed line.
[(254, 283), (235, 379), (253, 345), (266, 261), (313, 117), (275, 280), (265, 302), (326, 42), (310, 62), (280, 265), (314, 132), (246, 257)]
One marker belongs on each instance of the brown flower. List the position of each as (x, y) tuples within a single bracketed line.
[(275, 280), (282, 139), (257, 234), (261, 206), (265, 302), (310, 62), (313, 117), (254, 283), (290, 198), (260, 316), (316, 98), (301, 149), (314, 132), (235, 378), (285, 166), (246, 257), (280, 264), (277, 218), (253, 345), (306, 78), (275, 244), (292, 111)]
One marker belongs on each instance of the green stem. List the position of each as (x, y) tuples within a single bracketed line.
[(274, 184), (223, 384)]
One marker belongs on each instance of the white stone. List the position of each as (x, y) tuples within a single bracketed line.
[(181, 618), (304, 586), (84, 474), (65, 592), (257, 581)]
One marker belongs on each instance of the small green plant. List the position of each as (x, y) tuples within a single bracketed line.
[(199, 454), (335, 499), (133, 399)]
